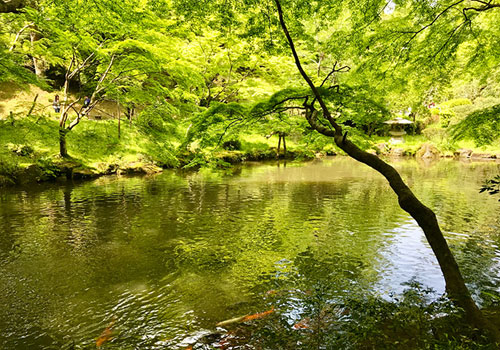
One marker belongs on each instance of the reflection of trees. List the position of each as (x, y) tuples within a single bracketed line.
[(451, 189), (223, 241), (481, 267)]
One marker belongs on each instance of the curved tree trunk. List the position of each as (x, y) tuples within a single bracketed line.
[(425, 217), (38, 64)]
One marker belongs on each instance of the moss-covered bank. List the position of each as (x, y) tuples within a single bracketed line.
[(29, 151), (30, 146)]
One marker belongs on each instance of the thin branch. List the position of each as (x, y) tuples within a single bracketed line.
[(32, 106), (415, 33), (452, 33), (80, 67), (98, 87), (19, 34), (227, 128), (334, 70), (316, 93)]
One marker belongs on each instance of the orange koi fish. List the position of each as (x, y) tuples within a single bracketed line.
[(106, 335), (245, 318), (258, 315), (302, 324)]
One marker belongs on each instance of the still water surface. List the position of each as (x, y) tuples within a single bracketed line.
[(167, 257)]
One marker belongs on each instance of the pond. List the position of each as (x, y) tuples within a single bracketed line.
[(162, 259)]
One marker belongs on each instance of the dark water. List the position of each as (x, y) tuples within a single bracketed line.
[(165, 258)]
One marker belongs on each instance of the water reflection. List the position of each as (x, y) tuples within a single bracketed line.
[(170, 256)]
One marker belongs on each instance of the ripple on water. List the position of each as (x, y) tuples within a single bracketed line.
[(75, 258)]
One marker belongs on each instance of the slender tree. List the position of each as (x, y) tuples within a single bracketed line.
[(325, 123)]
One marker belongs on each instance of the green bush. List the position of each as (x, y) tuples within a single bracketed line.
[(435, 134), (445, 116), (9, 169), (232, 145), (455, 102)]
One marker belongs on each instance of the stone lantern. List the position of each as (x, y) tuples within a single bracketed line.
[(397, 131)]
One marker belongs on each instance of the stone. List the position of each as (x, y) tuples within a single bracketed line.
[(397, 152), (83, 173), (463, 153), (481, 155), (138, 168), (427, 151), (381, 148)]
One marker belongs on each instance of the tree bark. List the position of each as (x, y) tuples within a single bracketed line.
[(38, 64), (12, 5), (425, 217), (284, 144), (63, 150), (279, 145)]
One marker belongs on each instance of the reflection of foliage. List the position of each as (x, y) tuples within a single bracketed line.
[(410, 321), (492, 186)]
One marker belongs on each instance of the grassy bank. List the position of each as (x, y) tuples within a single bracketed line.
[(30, 147), (443, 144)]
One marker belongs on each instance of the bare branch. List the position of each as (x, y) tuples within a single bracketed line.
[(80, 67), (98, 89), (29, 25), (335, 70)]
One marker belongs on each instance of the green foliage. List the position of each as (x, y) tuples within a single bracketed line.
[(158, 118), (408, 321), (455, 102), (232, 145), (483, 126), (9, 168), (445, 116)]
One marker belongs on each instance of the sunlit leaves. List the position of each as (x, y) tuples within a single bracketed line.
[(483, 126)]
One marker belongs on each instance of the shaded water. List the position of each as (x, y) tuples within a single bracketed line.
[(169, 256)]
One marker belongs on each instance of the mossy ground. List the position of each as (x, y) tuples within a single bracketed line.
[(29, 145)]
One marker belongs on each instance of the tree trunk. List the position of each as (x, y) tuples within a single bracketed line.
[(284, 145), (63, 150), (38, 64), (119, 116), (425, 217), (279, 145)]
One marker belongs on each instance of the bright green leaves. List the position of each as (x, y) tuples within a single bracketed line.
[(482, 126)]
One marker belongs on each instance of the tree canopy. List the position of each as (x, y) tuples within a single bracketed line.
[(201, 71)]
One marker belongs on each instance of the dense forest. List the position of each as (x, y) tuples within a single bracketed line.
[(187, 79), (90, 88)]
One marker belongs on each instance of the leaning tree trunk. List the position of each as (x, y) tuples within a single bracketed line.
[(425, 217)]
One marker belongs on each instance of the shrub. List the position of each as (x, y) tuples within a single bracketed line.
[(455, 102), (9, 169), (232, 145), (435, 134)]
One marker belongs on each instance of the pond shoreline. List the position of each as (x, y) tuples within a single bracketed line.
[(64, 169)]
